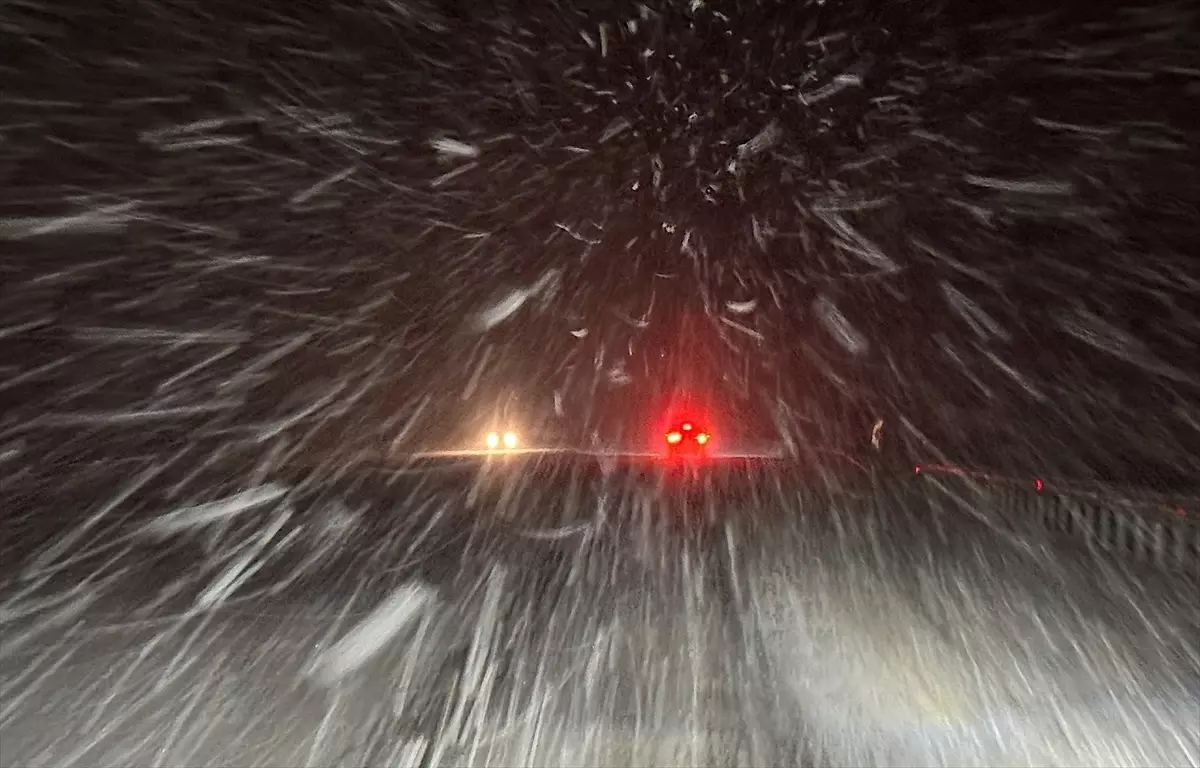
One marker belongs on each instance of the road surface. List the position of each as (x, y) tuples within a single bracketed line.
[(556, 611)]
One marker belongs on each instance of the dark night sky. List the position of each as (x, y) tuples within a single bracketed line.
[(1057, 312)]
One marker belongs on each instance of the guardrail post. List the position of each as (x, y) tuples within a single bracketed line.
[(1066, 516), (1085, 518), (1050, 513), (1125, 533), (1131, 533), (1105, 532), (1159, 546), (1140, 531)]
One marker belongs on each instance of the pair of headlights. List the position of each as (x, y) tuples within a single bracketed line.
[(495, 440)]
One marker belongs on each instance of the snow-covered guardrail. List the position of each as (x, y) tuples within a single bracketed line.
[(1161, 530)]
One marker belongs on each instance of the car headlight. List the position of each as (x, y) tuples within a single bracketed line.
[(510, 439), (493, 440)]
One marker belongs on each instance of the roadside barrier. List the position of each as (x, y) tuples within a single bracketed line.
[(1152, 529)]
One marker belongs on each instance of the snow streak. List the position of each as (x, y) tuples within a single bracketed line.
[(269, 271)]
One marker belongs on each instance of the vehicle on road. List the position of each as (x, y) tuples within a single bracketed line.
[(688, 439)]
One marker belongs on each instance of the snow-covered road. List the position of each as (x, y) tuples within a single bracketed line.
[(784, 634)]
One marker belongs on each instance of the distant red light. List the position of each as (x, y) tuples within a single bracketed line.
[(687, 438), (1038, 484), (917, 469)]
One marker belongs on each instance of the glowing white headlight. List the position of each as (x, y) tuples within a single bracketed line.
[(510, 439), (493, 440)]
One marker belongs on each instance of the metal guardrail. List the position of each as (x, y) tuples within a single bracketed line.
[(1150, 532), (1158, 530)]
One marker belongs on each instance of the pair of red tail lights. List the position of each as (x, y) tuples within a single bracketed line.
[(687, 433)]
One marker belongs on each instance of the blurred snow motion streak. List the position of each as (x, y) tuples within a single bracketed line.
[(375, 632), (246, 245), (203, 514)]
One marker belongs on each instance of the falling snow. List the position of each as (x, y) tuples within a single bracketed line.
[(271, 271)]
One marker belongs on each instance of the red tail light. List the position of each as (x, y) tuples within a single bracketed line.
[(702, 438), (674, 438)]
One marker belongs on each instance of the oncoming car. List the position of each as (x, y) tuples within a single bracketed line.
[(501, 440)]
